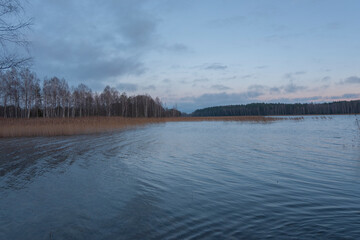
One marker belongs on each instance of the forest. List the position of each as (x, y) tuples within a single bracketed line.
[(263, 109), (23, 95)]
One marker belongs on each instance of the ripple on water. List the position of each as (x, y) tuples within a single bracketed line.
[(198, 180)]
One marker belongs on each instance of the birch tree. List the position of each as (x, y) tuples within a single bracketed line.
[(27, 89)]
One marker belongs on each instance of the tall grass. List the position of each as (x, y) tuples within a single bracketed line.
[(73, 126)]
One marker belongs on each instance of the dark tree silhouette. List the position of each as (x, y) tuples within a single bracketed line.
[(13, 26), (262, 109), (22, 96)]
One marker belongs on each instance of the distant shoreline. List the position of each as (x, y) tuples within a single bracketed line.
[(46, 127), (282, 109)]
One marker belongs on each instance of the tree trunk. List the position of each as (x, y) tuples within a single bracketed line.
[(5, 101)]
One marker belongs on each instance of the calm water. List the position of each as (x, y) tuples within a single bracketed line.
[(192, 180)]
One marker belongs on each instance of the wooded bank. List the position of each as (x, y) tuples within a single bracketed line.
[(23, 96), (278, 109)]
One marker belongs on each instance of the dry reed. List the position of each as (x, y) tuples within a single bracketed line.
[(86, 125)]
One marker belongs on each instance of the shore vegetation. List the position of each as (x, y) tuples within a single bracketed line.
[(33, 127)]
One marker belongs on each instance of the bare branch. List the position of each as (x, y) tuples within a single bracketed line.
[(12, 34)]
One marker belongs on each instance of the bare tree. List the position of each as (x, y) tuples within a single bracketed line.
[(46, 97), (123, 100), (97, 104), (13, 26), (106, 98), (4, 91), (82, 95), (64, 94), (27, 89), (20, 92), (15, 89), (37, 98), (52, 96), (73, 101), (158, 108)]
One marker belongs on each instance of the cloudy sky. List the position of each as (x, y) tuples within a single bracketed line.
[(202, 53)]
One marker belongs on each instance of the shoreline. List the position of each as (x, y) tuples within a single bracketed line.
[(47, 127)]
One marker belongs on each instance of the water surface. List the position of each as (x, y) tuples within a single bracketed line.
[(186, 180)]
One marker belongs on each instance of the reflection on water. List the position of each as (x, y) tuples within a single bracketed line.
[(287, 179)]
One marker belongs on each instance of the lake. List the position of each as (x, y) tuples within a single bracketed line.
[(186, 180)]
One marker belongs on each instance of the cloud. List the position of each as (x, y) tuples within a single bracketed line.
[(178, 47), (229, 78), (130, 87), (293, 88), (199, 80), (150, 87), (306, 99), (215, 66), (351, 80), (275, 90), (220, 87), (256, 87), (92, 41), (246, 76), (189, 104), (261, 67), (166, 80), (183, 81), (288, 75), (289, 88), (326, 78), (138, 31), (107, 68), (346, 96), (291, 75), (325, 86)]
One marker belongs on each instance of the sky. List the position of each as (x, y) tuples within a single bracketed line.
[(195, 54)]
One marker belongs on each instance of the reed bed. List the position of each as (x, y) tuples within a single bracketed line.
[(86, 125)]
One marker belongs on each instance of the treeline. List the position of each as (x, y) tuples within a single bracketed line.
[(23, 95), (263, 109)]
